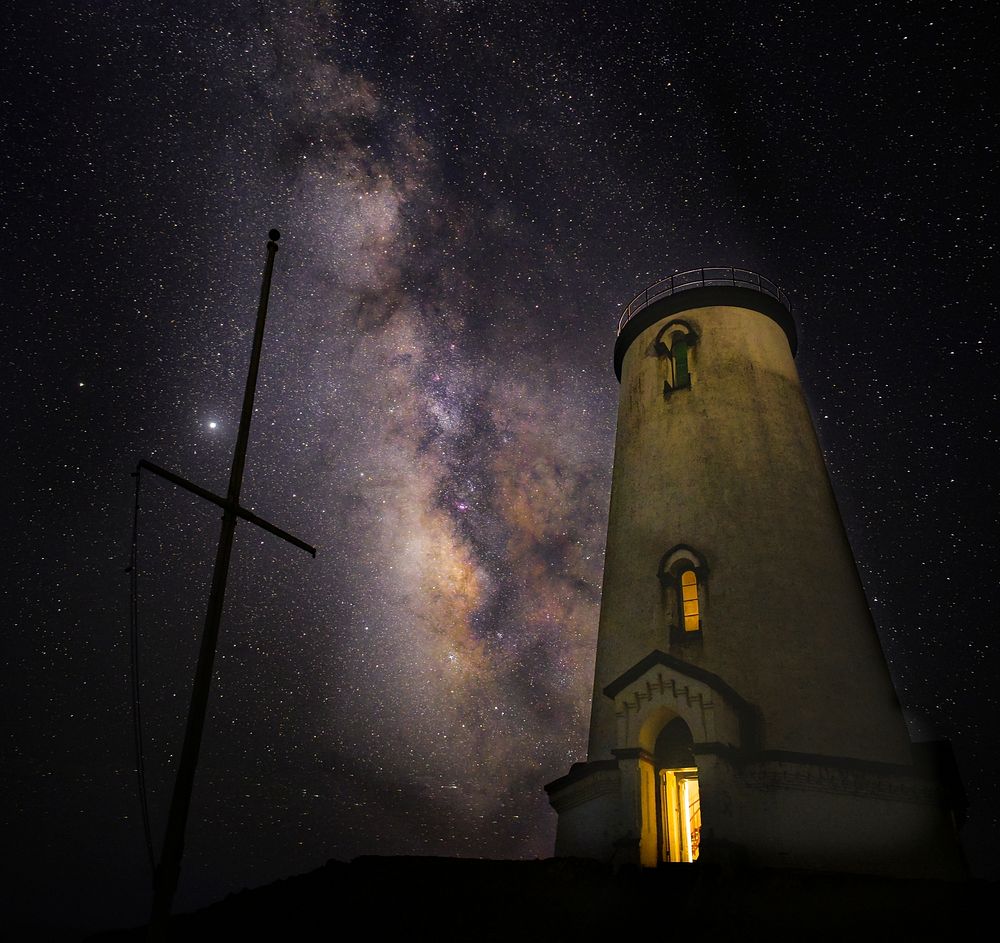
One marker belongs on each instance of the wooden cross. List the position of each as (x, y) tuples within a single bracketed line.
[(168, 871)]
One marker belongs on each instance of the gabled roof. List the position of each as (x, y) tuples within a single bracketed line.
[(656, 657)]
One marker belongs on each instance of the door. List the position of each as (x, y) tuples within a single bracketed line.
[(680, 814)]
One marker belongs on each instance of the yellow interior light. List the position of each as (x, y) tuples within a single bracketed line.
[(689, 598)]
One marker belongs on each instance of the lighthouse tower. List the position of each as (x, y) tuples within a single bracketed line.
[(742, 707)]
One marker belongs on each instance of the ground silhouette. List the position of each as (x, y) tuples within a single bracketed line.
[(555, 899)]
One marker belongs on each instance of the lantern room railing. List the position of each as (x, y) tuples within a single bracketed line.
[(700, 278)]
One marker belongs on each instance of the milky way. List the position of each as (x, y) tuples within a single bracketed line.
[(467, 193)]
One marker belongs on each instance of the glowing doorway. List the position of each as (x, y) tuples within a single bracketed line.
[(680, 812)]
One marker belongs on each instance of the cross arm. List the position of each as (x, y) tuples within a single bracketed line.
[(224, 504)]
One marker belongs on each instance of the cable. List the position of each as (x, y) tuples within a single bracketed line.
[(140, 758)]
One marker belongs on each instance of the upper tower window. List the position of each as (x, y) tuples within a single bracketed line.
[(679, 355), (674, 344)]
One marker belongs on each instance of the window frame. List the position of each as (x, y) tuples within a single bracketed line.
[(682, 599), (675, 343), (674, 564)]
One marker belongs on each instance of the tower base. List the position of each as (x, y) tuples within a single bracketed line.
[(763, 809)]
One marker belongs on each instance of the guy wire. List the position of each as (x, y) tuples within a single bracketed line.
[(140, 758)]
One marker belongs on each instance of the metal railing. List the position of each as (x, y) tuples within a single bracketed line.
[(699, 278)]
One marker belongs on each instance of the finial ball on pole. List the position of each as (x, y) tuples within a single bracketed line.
[(274, 235)]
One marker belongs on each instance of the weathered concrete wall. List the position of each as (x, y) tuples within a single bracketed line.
[(590, 815), (802, 815), (731, 467)]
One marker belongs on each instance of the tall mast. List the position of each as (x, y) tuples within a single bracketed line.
[(168, 871)]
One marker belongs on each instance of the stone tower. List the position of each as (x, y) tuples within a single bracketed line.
[(742, 707)]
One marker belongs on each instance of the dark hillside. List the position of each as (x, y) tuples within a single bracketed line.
[(444, 899)]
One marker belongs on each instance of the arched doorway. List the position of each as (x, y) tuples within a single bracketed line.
[(678, 796)]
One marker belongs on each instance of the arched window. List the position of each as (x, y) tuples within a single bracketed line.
[(679, 355), (674, 344), (683, 575), (689, 601)]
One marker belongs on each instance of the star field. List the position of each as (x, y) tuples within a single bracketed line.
[(468, 193)]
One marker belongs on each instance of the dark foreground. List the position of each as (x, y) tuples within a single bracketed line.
[(445, 899)]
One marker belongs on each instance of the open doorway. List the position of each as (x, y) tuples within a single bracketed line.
[(679, 798)]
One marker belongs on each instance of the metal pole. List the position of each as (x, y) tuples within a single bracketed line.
[(168, 871)]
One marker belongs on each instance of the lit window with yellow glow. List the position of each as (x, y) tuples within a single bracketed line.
[(689, 601)]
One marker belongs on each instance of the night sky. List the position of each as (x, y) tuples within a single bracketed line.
[(468, 193)]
